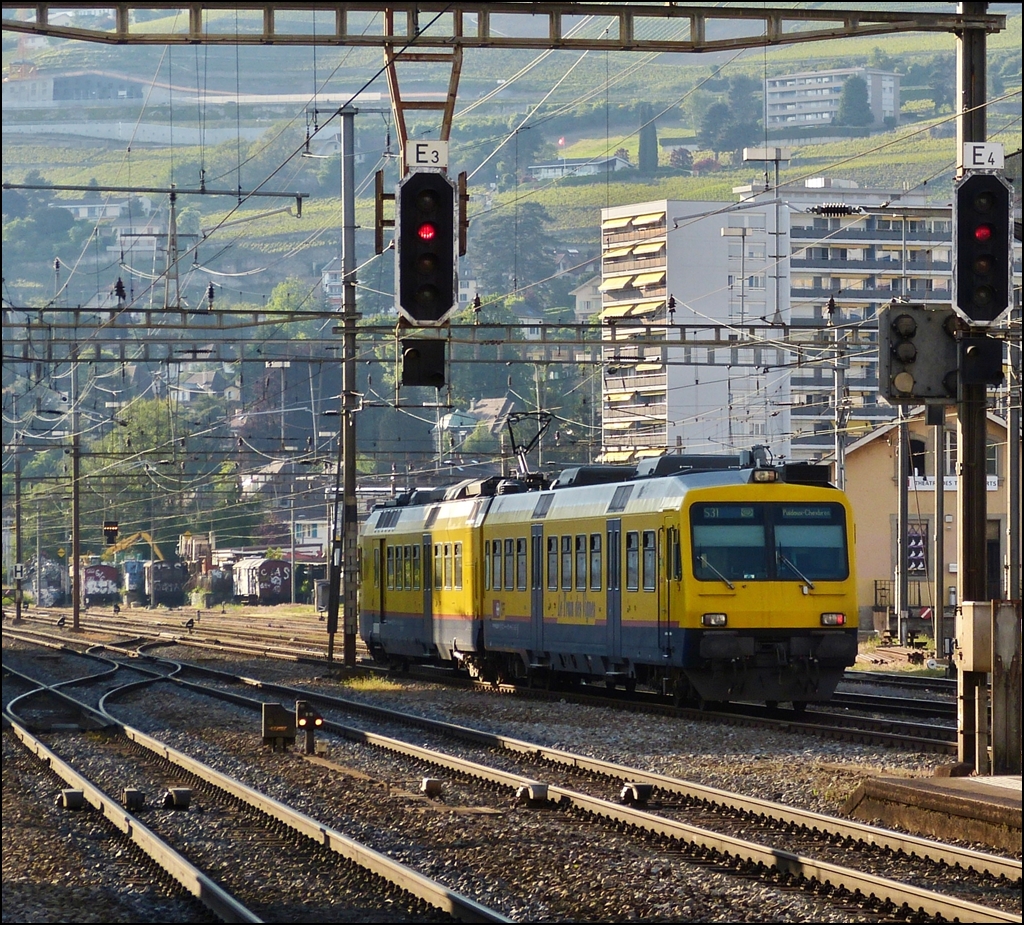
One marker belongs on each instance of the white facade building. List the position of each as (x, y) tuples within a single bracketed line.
[(812, 97), (845, 252)]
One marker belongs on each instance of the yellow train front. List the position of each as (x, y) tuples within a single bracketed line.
[(709, 578)]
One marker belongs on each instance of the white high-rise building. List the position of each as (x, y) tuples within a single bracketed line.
[(791, 276)]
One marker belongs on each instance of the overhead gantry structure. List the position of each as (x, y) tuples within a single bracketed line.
[(439, 32)]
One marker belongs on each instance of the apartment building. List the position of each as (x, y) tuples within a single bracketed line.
[(812, 97), (843, 253)]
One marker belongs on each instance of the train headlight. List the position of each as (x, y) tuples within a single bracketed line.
[(713, 619), (833, 619), (766, 475)]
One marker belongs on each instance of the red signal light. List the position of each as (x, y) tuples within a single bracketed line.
[(427, 231), (983, 233)]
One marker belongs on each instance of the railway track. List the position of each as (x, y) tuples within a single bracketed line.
[(664, 809), (891, 723), (239, 830)]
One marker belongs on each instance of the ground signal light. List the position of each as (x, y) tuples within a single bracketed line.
[(306, 715), (983, 247), (425, 247), (917, 354)]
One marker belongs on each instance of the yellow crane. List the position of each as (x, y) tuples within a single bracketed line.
[(123, 544)]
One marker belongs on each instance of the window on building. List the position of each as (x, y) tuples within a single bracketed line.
[(917, 550)]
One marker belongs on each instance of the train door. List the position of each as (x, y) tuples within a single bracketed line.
[(613, 600), (537, 585), (426, 567)]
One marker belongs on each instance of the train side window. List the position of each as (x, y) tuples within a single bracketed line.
[(391, 568), (496, 565), (487, 565), (675, 555), (521, 563), (510, 563), (438, 566), (448, 566), (595, 561), (632, 561), (581, 562), (415, 568), (650, 563), (457, 563), (552, 563), (566, 563), (407, 568), (376, 568)]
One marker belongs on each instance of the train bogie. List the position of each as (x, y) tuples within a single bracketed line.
[(722, 584)]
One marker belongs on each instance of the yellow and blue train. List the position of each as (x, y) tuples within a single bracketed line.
[(708, 578)]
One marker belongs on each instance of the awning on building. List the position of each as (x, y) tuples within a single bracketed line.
[(613, 224), (615, 282), (648, 306), (616, 456), (648, 248), (614, 253), (649, 279), (616, 311), (649, 219)]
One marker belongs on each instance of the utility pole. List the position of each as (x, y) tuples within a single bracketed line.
[(839, 395), (903, 474), (76, 508), (343, 565), (18, 582), (972, 691)]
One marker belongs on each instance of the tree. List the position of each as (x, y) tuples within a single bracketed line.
[(647, 158), (854, 108), (511, 249), (715, 118), (680, 159)]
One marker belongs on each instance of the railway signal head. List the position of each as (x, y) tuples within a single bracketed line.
[(917, 354), (982, 248), (425, 248)]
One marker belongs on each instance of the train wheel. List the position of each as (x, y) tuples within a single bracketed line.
[(772, 704), (799, 707)]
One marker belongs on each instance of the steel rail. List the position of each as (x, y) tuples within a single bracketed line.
[(416, 884), (440, 897), (869, 886), (951, 855), (732, 848), (194, 881)]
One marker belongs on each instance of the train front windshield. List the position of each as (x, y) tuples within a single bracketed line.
[(769, 541)]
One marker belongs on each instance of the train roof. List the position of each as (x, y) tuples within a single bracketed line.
[(605, 493)]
